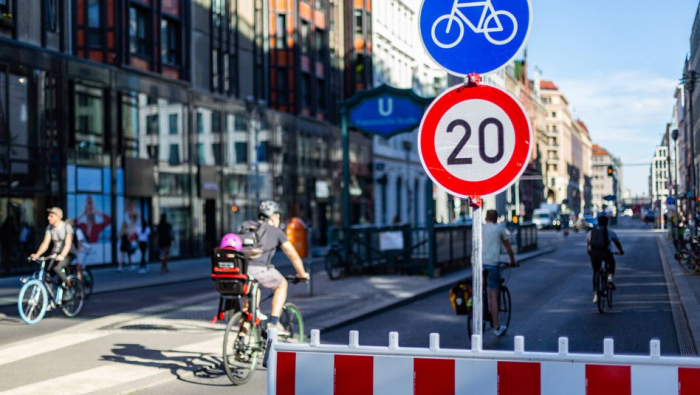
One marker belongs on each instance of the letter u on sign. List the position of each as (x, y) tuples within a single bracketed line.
[(389, 106)]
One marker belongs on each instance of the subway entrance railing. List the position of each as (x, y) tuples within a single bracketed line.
[(325, 369)]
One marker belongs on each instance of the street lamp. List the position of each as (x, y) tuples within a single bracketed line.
[(256, 106)]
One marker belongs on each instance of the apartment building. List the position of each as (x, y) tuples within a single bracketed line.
[(602, 183)]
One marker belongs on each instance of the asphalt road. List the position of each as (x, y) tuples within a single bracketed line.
[(552, 297)]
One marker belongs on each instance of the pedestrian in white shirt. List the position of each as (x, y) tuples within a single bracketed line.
[(143, 233)]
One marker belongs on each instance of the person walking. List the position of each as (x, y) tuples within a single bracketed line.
[(494, 236), (165, 240), (125, 248), (143, 233)]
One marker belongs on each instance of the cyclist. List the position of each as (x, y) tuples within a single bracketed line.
[(599, 243), (271, 238), (494, 236), (59, 233)]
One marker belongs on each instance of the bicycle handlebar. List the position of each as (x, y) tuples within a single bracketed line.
[(42, 258), (296, 280)]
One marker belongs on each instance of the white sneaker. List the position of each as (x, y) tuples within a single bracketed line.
[(610, 278), (261, 315), (595, 297), (500, 331)]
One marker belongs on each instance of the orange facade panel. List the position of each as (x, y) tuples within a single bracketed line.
[(95, 56), (319, 19), (368, 5), (358, 4), (110, 13), (140, 63), (305, 10), (81, 37), (171, 72), (110, 40)]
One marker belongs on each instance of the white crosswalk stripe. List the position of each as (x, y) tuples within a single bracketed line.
[(30, 349)]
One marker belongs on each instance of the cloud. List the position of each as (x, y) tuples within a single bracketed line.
[(626, 112)]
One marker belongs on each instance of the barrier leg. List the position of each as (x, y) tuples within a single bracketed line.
[(272, 362)]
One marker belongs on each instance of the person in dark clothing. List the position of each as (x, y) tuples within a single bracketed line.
[(600, 242), (165, 240)]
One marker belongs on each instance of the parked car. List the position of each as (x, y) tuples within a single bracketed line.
[(628, 213), (544, 219)]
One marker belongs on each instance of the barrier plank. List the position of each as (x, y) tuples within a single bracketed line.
[(518, 378), (608, 380), (286, 373), (354, 375), (433, 376), (688, 381), (393, 375)]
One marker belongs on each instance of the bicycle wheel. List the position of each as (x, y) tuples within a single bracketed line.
[(293, 323), (241, 351), (32, 301), (504, 307), (73, 297), (601, 285), (448, 42), (610, 295), (88, 282), (334, 265), (498, 29)]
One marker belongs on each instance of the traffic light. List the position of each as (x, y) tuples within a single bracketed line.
[(610, 171)]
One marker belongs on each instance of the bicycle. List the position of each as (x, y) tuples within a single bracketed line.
[(339, 261), (458, 17), (40, 294), (504, 304), (242, 350), (603, 288)]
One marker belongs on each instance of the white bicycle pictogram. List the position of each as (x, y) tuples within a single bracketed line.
[(488, 16)]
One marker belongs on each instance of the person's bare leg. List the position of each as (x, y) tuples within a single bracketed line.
[(79, 271), (279, 298), (493, 307)]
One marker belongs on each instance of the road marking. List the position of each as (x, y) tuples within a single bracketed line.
[(27, 350), (88, 380)]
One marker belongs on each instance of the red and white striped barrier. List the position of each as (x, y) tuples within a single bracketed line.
[(316, 369)]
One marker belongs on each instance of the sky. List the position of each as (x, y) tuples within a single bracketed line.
[(618, 62)]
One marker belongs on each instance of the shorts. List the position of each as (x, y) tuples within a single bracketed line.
[(493, 280), (267, 277)]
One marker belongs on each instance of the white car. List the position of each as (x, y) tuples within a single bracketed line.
[(628, 213)]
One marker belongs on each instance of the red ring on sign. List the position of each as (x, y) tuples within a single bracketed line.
[(510, 172)]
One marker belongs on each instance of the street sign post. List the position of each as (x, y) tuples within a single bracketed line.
[(468, 36), (475, 141)]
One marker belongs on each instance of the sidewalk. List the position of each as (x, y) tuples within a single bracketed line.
[(684, 293)]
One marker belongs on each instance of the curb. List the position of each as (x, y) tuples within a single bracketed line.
[(684, 297), (440, 285)]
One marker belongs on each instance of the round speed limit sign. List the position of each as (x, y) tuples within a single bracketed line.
[(475, 141)]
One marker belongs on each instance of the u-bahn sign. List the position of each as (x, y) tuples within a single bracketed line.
[(385, 110), (474, 36), (475, 141)]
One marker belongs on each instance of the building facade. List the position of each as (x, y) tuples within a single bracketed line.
[(603, 184), (659, 178), (123, 111)]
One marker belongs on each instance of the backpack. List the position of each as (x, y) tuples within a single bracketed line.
[(251, 236), (600, 240), (461, 297)]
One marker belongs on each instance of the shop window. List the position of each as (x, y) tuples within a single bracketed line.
[(139, 31), (170, 42), (94, 25)]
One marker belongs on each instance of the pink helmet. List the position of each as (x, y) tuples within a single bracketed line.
[(231, 241)]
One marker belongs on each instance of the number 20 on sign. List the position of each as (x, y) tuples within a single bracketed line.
[(475, 141)]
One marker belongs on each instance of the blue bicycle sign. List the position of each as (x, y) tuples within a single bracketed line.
[(474, 36)]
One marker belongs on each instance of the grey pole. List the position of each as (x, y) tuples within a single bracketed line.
[(477, 270), (689, 85)]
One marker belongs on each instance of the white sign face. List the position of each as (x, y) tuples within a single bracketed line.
[(478, 133), (475, 141)]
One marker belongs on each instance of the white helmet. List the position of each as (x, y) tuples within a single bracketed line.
[(268, 207)]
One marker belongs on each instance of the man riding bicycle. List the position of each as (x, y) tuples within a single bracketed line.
[(599, 242), (60, 233), (271, 238), (493, 237)]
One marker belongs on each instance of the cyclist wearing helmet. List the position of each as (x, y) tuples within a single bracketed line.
[(231, 241), (271, 238)]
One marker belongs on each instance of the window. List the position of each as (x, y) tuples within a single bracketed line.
[(241, 152), (359, 68), (174, 158), (218, 11), (94, 19), (139, 31), (358, 22), (281, 86), (240, 124), (152, 124), (321, 95), (305, 78), (215, 69), (281, 31), (173, 124), (51, 14), (319, 44), (170, 42), (263, 150), (89, 124), (216, 149), (200, 123), (304, 37)]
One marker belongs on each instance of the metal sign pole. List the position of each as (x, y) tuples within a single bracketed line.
[(477, 271)]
